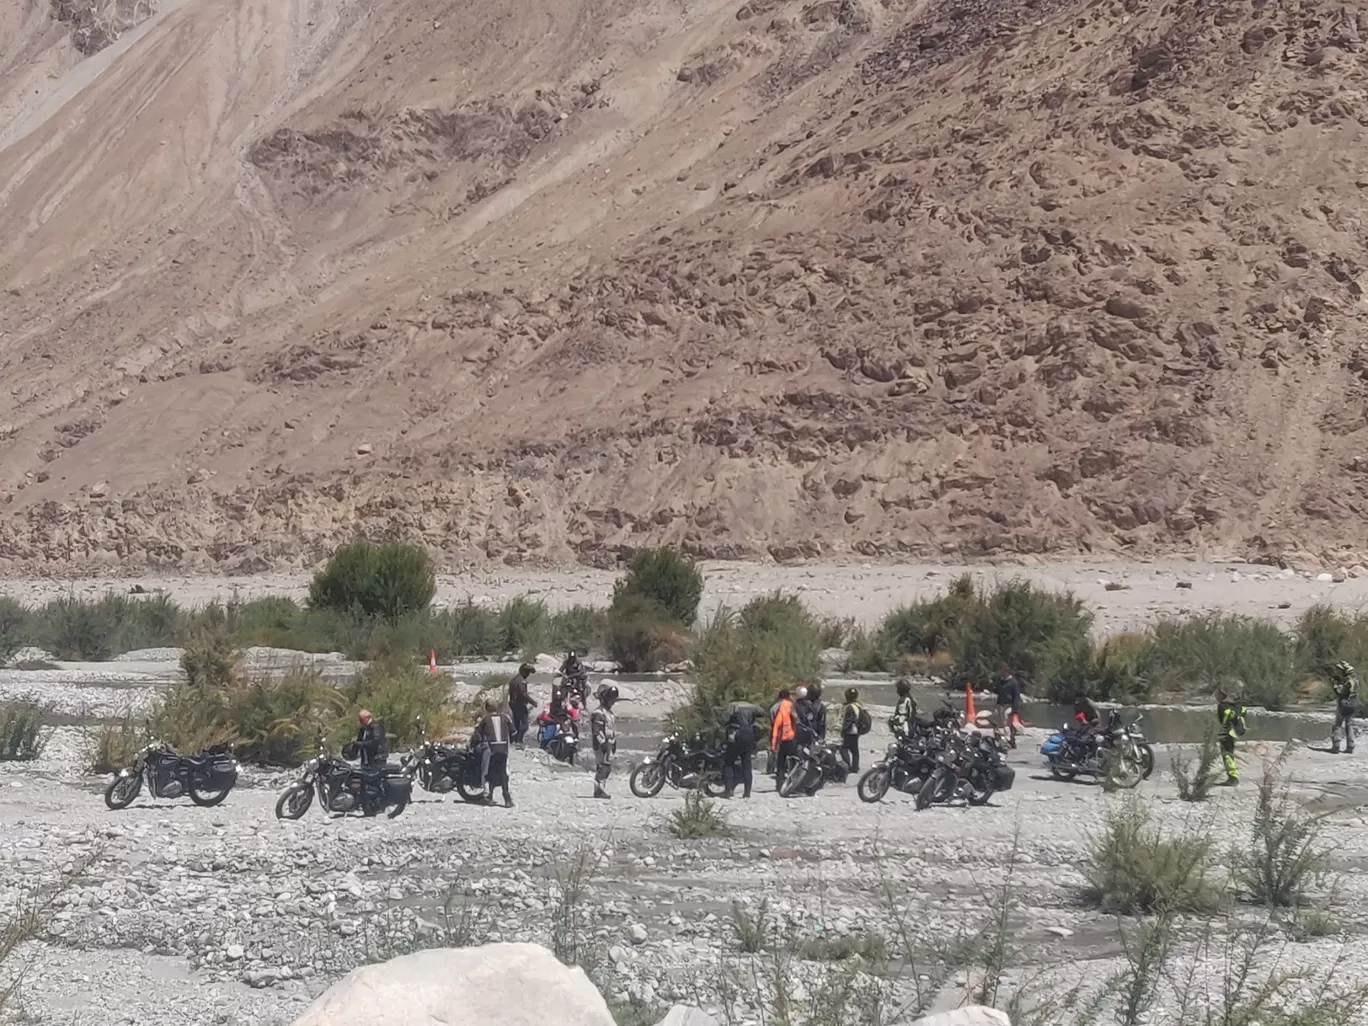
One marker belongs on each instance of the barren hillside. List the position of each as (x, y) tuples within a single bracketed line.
[(536, 281)]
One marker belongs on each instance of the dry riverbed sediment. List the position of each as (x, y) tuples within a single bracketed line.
[(181, 916)]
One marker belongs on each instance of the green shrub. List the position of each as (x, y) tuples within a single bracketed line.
[(1285, 856), (868, 947), (468, 630), (276, 720), (85, 631), (22, 734), (1211, 650), (774, 642), (399, 696), (578, 629), (1325, 635), (752, 929), (1133, 868), (1021, 626), (668, 577), (191, 719), (699, 817), (523, 627), (13, 629), (208, 660), (1195, 779), (375, 580), (115, 745), (640, 636)]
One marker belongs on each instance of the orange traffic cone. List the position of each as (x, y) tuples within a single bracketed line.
[(969, 715), (432, 660)]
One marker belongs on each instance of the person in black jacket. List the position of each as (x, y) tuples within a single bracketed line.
[(370, 745), (819, 713), (491, 738), (740, 729), (1009, 701), (802, 716), (850, 729), (519, 702)]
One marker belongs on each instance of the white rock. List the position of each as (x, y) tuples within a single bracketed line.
[(1325, 578), (969, 1015), (639, 934), (234, 951), (1059, 931), (503, 984), (685, 1015)]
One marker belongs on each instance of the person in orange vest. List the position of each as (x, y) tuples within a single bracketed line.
[(783, 736)]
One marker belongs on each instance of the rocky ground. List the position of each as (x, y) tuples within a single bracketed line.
[(171, 914)]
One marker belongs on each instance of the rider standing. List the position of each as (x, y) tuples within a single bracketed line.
[(1230, 712), (1344, 682)]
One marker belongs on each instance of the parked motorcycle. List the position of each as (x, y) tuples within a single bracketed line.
[(972, 767), (1110, 753), (558, 738), (206, 778), (905, 766), (342, 788), (1131, 740), (683, 763), (441, 768), (817, 763)]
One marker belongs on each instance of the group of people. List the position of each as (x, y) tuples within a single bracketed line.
[(796, 718)]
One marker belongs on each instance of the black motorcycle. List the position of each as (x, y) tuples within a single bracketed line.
[(206, 778), (683, 763), (971, 767), (559, 739), (905, 766), (441, 768), (342, 788), (817, 763)]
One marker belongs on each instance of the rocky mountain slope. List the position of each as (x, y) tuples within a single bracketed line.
[(764, 278)]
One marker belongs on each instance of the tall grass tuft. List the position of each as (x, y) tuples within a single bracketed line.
[(1285, 856), (22, 734), (1195, 778), (1134, 868)]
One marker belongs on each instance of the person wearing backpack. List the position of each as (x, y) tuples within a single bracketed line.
[(1344, 682), (855, 721)]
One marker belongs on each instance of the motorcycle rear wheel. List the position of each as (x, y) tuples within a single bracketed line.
[(294, 802), (927, 796), (1146, 761), (647, 780), (874, 784), (401, 805), (712, 785), (1060, 773), (206, 798)]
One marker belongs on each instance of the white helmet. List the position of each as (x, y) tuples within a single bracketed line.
[(801, 693)]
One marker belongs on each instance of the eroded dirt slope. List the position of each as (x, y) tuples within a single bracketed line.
[(539, 281)]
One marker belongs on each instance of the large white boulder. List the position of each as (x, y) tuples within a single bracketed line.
[(969, 1015), (493, 985)]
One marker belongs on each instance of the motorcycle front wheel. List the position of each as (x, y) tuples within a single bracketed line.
[(873, 785), (1146, 761), (473, 795), (793, 779), (121, 792), (712, 784), (647, 780), (294, 802), (402, 804)]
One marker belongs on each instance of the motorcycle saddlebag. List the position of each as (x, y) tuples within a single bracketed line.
[(1004, 777), (399, 786), (223, 772), (1054, 744)]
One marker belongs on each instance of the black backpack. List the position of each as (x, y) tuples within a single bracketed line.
[(864, 723)]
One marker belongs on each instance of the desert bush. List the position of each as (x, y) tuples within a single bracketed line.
[(72, 628), (375, 580), (208, 659), (1021, 626), (698, 817), (868, 947), (523, 626), (22, 734), (191, 719), (641, 636), (114, 745), (1195, 778), (467, 630), (773, 642), (1133, 868), (1285, 856), (579, 628), (1211, 650), (13, 629), (399, 696), (276, 719), (752, 929), (1324, 635), (669, 578)]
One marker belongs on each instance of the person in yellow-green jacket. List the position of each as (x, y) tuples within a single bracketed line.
[(1230, 711)]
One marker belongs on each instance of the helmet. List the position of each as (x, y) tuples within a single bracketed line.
[(815, 692), (852, 694), (801, 693), (1341, 670), (904, 687), (608, 694)]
